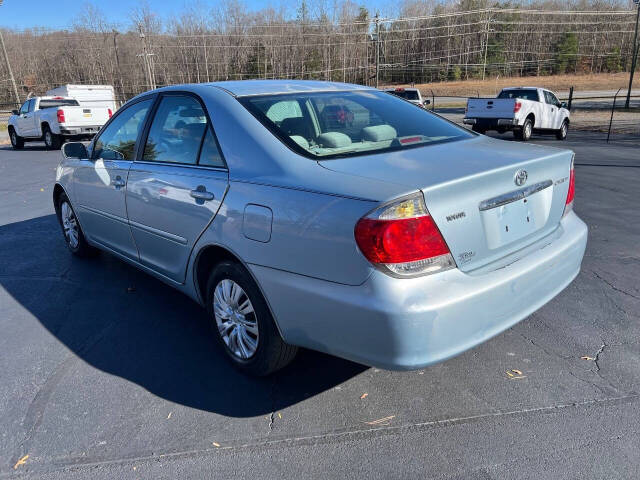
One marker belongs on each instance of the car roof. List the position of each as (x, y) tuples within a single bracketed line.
[(400, 89), (523, 88), (240, 88)]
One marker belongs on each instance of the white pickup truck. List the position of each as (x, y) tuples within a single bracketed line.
[(521, 109), (55, 119), (411, 95)]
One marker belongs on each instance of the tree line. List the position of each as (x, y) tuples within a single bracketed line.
[(420, 42)]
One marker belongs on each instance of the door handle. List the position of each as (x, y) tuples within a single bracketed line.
[(200, 193), (118, 182)]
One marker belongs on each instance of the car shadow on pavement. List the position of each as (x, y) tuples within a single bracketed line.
[(126, 323)]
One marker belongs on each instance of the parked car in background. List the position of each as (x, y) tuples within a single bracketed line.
[(324, 215), (412, 95), (522, 109), (87, 95), (55, 120)]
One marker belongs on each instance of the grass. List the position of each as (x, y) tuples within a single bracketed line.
[(557, 83)]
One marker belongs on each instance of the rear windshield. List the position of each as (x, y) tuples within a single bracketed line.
[(523, 93), (406, 94), (50, 103), (324, 125)]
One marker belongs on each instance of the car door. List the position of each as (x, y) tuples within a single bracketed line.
[(176, 185), (556, 110), (550, 111), (100, 182), (26, 118)]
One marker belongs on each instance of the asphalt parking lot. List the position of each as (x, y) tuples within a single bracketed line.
[(108, 373)]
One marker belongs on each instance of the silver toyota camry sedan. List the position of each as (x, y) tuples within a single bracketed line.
[(324, 215)]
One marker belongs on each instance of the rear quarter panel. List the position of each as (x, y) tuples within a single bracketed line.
[(311, 233)]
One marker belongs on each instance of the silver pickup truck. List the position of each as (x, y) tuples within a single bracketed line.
[(521, 109), (54, 120)]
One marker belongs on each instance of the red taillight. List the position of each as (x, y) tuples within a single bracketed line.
[(568, 204), (399, 241), (402, 239), (60, 116), (109, 112), (516, 107)]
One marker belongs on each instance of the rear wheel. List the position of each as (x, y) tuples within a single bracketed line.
[(73, 236), (561, 134), (242, 323), (525, 132), (51, 140), (17, 142)]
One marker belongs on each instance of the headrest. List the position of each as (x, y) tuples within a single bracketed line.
[(300, 141), (334, 140), (379, 133)]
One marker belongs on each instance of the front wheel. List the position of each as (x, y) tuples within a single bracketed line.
[(242, 323), (562, 133), (51, 140), (73, 235), (17, 142)]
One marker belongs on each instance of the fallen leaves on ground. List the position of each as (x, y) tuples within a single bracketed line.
[(587, 357), (169, 416), (363, 396), (515, 374), (382, 421), (216, 444), (22, 461)]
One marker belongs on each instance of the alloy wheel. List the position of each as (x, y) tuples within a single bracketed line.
[(236, 319), (69, 225)]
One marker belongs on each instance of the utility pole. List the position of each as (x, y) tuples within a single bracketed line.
[(115, 51), (634, 55), (377, 48), (147, 60), (486, 47), (6, 59)]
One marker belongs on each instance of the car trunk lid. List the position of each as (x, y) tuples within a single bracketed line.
[(476, 192)]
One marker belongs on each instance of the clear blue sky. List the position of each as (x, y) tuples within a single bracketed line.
[(22, 14)]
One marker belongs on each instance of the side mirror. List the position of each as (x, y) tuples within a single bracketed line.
[(15, 112), (563, 105), (426, 102), (74, 150)]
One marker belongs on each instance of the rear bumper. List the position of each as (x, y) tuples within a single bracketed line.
[(411, 323), (84, 130), (491, 123)]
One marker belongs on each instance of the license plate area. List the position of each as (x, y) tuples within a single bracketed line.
[(512, 220)]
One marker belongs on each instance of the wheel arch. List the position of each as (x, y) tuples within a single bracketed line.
[(210, 255), (532, 116), (57, 191)]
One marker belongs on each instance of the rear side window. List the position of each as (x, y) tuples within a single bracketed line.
[(406, 94), (177, 131), (118, 140), (522, 93), (210, 155)]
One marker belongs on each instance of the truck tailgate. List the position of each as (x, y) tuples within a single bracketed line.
[(84, 116), (490, 107)]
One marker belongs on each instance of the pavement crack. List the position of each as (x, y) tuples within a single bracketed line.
[(617, 289), (597, 356)]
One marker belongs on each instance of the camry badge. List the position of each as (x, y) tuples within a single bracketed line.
[(520, 177)]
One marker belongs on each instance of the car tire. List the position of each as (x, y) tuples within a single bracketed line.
[(246, 333), (561, 134), (51, 140), (17, 142), (524, 133), (71, 230)]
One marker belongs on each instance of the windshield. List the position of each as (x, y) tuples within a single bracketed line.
[(523, 93), (338, 124), (52, 103), (406, 94)]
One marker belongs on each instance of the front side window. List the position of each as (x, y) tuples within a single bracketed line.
[(521, 93), (324, 125), (551, 99), (118, 140), (25, 107), (32, 105), (177, 131)]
